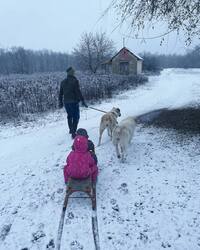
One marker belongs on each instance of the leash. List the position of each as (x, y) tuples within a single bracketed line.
[(98, 110)]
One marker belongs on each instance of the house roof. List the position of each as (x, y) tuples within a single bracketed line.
[(135, 55)]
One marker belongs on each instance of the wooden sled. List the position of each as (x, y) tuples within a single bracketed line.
[(85, 186), (81, 185)]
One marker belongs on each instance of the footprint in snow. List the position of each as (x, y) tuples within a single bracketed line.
[(37, 236), (51, 244), (165, 245), (60, 190), (143, 237), (116, 171), (123, 188), (70, 217), (113, 201), (75, 245), (5, 231)]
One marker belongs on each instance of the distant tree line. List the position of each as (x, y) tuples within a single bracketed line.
[(91, 51), (18, 60), (155, 62), (88, 55)]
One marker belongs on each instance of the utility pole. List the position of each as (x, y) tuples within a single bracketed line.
[(123, 42)]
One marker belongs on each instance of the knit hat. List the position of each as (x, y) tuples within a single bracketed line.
[(83, 132), (70, 71)]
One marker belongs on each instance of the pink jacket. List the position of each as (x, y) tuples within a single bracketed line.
[(79, 163)]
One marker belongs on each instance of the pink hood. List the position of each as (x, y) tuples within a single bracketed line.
[(80, 144), (80, 163)]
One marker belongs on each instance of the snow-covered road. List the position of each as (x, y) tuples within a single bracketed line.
[(150, 202)]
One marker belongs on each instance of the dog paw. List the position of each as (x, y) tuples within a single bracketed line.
[(123, 188)]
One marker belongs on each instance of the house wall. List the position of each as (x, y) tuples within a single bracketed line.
[(135, 66), (139, 67), (115, 66)]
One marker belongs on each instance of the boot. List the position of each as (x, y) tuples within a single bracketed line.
[(74, 126), (73, 135), (70, 125)]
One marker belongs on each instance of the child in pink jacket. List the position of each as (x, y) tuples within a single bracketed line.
[(79, 163)]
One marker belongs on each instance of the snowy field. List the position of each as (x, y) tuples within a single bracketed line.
[(150, 202)]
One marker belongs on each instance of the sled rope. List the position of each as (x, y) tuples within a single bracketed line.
[(98, 110)]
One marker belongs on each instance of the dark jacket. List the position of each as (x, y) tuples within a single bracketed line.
[(70, 89), (91, 149)]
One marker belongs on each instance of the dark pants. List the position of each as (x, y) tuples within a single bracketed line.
[(73, 115)]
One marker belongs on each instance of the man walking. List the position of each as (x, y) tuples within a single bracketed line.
[(70, 90)]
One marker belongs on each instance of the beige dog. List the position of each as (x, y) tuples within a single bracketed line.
[(122, 135), (108, 121)]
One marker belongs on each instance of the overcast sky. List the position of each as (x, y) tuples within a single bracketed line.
[(58, 24)]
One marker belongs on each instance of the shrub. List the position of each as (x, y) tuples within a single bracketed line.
[(29, 94)]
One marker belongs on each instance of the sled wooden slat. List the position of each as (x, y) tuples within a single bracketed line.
[(82, 185)]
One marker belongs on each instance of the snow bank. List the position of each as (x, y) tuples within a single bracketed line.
[(151, 202)]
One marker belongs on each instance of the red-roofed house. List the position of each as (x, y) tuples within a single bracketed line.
[(124, 62)]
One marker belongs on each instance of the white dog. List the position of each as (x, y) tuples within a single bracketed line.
[(122, 135), (109, 121)]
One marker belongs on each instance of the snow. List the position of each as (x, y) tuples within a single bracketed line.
[(149, 202)]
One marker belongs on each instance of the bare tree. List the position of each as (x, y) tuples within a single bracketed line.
[(179, 15), (92, 50)]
